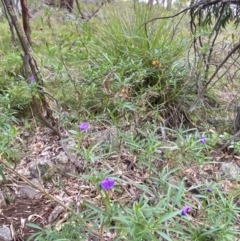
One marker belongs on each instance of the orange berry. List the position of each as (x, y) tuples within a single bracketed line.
[(155, 63)]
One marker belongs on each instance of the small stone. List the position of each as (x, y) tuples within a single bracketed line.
[(61, 158), (43, 165), (67, 170), (26, 134), (230, 170), (68, 17), (27, 191), (24, 171), (5, 234)]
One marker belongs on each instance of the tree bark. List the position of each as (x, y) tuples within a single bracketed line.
[(25, 20), (29, 62)]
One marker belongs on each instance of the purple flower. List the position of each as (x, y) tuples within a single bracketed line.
[(32, 79), (203, 140), (83, 126), (107, 183), (185, 210), (209, 189)]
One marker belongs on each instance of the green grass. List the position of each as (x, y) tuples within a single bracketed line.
[(103, 72)]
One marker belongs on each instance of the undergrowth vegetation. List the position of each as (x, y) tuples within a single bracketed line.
[(137, 81)]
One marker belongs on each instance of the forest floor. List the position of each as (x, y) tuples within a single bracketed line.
[(134, 98), (27, 205)]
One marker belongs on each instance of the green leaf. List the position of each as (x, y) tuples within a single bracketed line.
[(31, 237), (33, 225), (179, 194), (169, 216), (98, 210), (163, 235)]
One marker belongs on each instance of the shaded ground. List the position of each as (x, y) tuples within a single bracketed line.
[(22, 211)]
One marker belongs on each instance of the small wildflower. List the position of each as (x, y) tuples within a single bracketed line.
[(83, 126), (107, 183), (32, 79), (209, 189), (203, 140), (186, 210)]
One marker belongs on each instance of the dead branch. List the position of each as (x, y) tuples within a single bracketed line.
[(200, 4), (196, 9), (79, 10), (212, 76), (97, 10)]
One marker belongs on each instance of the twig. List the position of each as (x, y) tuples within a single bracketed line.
[(202, 2), (97, 10), (79, 10), (215, 29), (213, 75), (167, 17), (225, 72)]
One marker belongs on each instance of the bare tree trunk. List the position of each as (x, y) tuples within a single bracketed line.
[(39, 101), (169, 4), (13, 38), (25, 20), (150, 3)]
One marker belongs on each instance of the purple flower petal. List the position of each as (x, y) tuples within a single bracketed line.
[(209, 189), (32, 79), (107, 183), (203, 140), (83, 126), (186, 210)]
